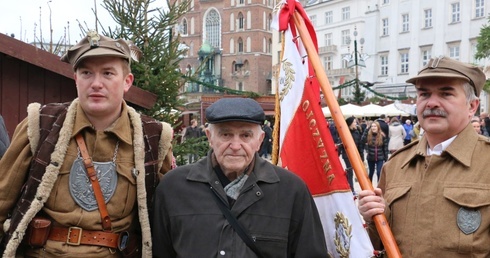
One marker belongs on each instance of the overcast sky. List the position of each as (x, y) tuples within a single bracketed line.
[(20, 16)]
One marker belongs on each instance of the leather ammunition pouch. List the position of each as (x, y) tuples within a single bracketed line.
[(37, 232)]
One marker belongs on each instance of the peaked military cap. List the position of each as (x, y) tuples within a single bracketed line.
[(235, 109), (95, 44), (449, 68)]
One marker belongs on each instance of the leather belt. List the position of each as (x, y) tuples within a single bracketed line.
[(79, 236)]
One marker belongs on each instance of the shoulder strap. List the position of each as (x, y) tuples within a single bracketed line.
[(236, 225), (92, 175)]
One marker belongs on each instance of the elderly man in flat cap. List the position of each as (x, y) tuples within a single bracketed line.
[(234, 203), (435, 191), (78, 178)]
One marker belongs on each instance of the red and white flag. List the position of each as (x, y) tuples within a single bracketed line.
[(306, 146)]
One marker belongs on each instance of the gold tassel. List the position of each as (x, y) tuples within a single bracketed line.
[(277, 115)]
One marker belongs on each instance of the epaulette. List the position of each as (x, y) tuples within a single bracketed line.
[(404, 148)]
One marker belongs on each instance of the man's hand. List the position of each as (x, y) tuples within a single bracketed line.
[(371, 203)]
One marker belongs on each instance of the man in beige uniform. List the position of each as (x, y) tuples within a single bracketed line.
[(435, 191), (117, 141)]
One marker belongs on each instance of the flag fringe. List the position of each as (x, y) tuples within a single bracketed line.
[(277, 115)]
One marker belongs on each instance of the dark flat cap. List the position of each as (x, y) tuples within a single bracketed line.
[(235, 109), (96, 45), (446, 67)]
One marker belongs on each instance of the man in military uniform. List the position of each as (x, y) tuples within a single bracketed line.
[(434, 191), (78, 178)]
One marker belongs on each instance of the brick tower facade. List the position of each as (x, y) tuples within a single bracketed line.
[(232, 41)]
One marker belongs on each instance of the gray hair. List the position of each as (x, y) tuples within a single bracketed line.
[(469, 91)]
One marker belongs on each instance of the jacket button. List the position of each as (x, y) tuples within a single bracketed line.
[(216, 182), (258, 194), (222, 252)]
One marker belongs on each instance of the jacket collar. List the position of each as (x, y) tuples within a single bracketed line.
[(461, 149), (121, 127)]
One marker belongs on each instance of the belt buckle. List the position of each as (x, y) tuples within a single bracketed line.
[(68, 237)]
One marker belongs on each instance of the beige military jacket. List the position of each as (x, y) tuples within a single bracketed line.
[(60, 206), (439, 206)]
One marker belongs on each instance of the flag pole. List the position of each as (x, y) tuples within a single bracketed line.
[(380, 219)]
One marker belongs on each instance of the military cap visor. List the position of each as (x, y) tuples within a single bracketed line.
[(235, 109)]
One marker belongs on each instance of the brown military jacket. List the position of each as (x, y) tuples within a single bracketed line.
[(439, 206), (60, 206)]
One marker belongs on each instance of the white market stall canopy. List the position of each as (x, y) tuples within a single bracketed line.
[(347, 110), (394, 110), (370, 110)]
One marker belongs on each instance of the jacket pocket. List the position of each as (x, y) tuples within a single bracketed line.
[(472, 203), (271, 245), (467, 195), (397, 200)]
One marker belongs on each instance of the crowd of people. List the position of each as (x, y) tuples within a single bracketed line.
[(94, 178), (376, 140)]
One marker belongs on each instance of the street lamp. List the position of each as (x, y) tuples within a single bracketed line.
[(356, 59)]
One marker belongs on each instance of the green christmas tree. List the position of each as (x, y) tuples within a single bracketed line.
[(158, 71)]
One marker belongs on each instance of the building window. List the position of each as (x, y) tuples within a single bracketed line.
[(425, 57), (328, 63), (313, 20), (428, 18), (241, 21), (405, 23), (328, 39), (479, 8), (213, 29), (386, 1), (384, 65), (345, 13), (240, 45), (455, 12), (454, 52), (269, 22), (345, 34), (384, 27), (404, 63), (184, 27), (241, 1), (328, 17), (240, 86)]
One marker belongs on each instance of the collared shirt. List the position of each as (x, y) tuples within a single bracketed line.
[(439, 148)]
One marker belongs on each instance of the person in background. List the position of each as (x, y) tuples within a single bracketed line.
[(363, 125), (355, 131), (4, 137), (408, 131), (376, 146), (397, 135), (434, 190), (485, 124), (78, 177), (417, 132), (384, 125), (476, 123), (272, 206), (483, 115), (192, 132), (266, 147)]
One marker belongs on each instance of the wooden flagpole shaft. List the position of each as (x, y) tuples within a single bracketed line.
[(380, 220)]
